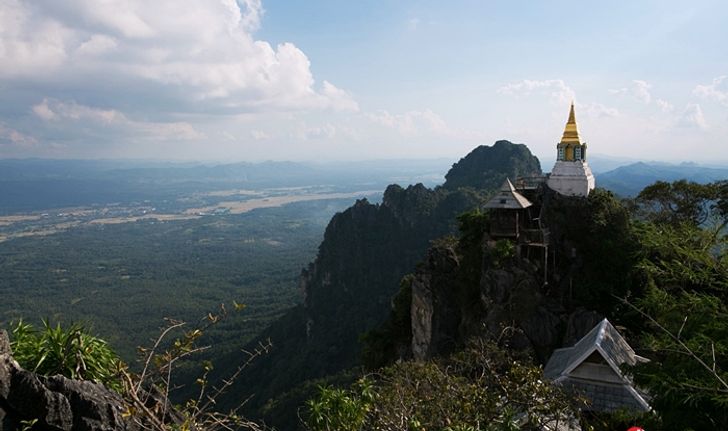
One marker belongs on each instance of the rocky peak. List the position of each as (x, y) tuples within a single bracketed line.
[(487, 167)]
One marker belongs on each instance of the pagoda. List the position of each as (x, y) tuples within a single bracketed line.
[(571, 174)]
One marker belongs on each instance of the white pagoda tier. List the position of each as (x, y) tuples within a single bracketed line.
[(571, 174)]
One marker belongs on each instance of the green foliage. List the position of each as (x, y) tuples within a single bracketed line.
[(121, 277), (481, 387), (684, 202), (687, 373), (366, 252), (485, 168), (682, 257), (598, 249), (503, 251), (380, 345), (336, 409), (684, 264), (69, 351), (473, 226)]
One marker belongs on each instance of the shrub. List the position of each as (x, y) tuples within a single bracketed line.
[(70, 351)]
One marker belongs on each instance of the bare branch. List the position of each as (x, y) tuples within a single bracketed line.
[(687, 349)]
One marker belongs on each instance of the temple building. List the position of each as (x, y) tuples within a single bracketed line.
[(510, 214), (592, 368), (571, 174)]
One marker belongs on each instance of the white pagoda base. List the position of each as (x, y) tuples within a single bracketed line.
[(571, 178)]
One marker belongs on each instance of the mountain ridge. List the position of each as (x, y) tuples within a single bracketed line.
[(365, 252)]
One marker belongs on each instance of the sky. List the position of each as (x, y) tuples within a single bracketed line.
[(327, 80)]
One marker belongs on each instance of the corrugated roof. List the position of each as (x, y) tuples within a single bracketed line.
[(508, 198), (611, 346), (607, 398), (557, 363)]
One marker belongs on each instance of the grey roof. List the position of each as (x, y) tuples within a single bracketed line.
[(557, 363), (612, 347), (508, 198), (607, 398), (602, 338)]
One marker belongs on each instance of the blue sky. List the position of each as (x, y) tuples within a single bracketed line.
[(338, 80)]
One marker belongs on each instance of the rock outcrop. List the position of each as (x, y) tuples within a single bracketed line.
[(539, 308), (435, 312), (512, 302), (486, 168), (55, 403), (366, 251)]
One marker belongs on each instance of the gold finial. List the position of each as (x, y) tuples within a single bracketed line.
[(572, 117), (571, 134)]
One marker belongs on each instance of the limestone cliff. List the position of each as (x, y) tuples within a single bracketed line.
[(479, 286), (512, 303), (365, 252)]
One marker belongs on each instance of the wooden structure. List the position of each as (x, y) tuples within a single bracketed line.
[(512, 217), (592, 368), (510, 212)]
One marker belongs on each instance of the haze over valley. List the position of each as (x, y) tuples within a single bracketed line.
[(407, 215)]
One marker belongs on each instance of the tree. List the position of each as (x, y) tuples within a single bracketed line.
[(684, 266), (482, 387), (684, 202)]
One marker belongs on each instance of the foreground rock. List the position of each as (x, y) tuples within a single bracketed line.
[(55, 403)]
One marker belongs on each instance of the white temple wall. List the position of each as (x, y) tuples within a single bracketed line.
[(572, 178)]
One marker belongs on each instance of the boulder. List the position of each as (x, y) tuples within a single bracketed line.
[(56, 403)]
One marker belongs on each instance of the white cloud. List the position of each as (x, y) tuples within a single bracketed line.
[(420, 125), (110, 119), (664, 105), (96, 45), (597, 110), (43, 111), (639, 89), (692, 116), (338, 99), (315, 133), (13, 137), (557, 90), (717, 90), (197, 57), (251, 16), (411, 123), (259, 135), (29, 50)]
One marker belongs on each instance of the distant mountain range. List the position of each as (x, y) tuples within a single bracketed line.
[(38, 184), (631, 179)]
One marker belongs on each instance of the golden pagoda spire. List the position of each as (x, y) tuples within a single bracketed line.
[(571, 134)]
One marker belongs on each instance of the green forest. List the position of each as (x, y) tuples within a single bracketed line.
[(656, 265), (122, 280)]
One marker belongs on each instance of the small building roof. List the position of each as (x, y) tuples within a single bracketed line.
[(508, 198), (605, 341), (603, 338)]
